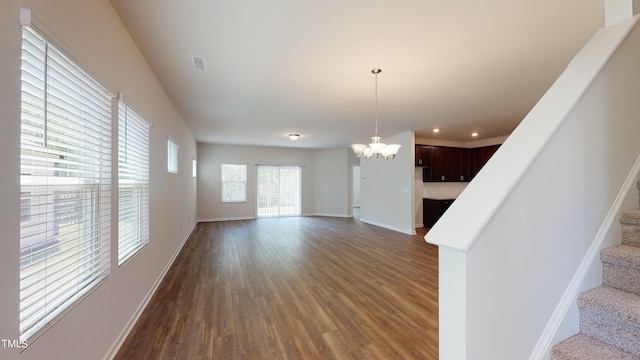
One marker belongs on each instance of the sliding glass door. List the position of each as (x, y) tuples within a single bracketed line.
[(278, 190)]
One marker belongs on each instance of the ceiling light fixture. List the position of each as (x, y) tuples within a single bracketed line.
[(436, 130), (294, 137), (474, 134), (376, 148)]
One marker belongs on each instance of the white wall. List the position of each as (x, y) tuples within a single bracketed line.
[(518, 242), (388, 187), (92, 34), (443, 190), (9, 176), (333, 183), (211, 156)]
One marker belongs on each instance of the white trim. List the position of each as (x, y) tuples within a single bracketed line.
[(173, 153), (255, 218), (277, 164), (332, 215), (568, 298), (25, 17), (394, 228), (120, 99), (115, 347), (227, 219)]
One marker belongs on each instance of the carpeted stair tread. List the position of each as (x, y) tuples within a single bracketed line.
[(622, 255), (630, 217), (617, 303), (621, 268), (610, 314), (630, 221), (583, 347)]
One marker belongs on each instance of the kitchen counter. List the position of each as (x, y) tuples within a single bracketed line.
[(439, 197)]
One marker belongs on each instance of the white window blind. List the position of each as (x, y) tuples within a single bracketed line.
[(65, 183), (133, 183), (172, 156), (279, 190), (234, 183)]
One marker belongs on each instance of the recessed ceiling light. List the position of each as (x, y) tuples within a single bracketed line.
[(436, 130), (474, 134), (294, 136)]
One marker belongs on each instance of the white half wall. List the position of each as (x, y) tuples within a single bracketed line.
[(524, 227), (616, 11), (91, 33), (388, 187)]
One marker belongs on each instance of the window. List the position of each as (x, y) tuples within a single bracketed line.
[(133, 183), (234, 183), (172, 157), (279, 190), (65, 183), (194, 168), (25, 207)]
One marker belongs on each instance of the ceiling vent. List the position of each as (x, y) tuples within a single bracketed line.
[(199, 63)]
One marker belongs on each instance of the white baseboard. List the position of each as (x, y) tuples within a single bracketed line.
[(113, 351), (227, 219), (254, 218), (394, 228), (333, 215)]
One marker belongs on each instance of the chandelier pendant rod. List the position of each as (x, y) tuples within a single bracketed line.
[(376, 71), (376, 148)]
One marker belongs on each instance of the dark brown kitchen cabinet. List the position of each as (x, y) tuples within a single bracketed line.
[(478, 157), (432, 210), (423, 155), (448, 164), (451, 164)]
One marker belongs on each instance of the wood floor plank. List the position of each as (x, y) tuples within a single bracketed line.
[(293, 288)]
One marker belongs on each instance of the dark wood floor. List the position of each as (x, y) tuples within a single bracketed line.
[(293, 288)]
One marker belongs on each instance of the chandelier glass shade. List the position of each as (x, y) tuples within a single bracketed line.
[(376, 148)]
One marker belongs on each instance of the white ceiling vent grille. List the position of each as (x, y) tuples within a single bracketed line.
[(199, 63)]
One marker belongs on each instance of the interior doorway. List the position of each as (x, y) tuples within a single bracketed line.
[(356, 191)]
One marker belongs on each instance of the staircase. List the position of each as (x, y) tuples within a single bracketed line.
[(610, 314)]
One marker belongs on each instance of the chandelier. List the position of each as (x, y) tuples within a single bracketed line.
[(376, 148)]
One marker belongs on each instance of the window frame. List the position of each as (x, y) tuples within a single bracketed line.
[(173, 155), (133, 182), (240, 184), (286, 200), (65, 165)]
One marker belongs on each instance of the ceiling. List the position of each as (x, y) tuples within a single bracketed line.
[(299, 66)]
